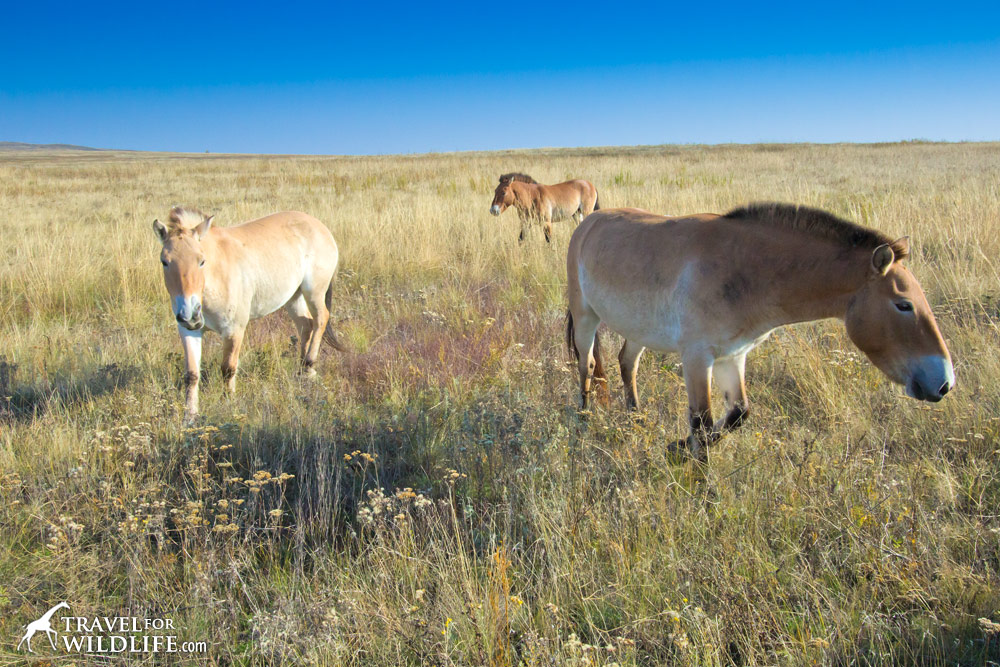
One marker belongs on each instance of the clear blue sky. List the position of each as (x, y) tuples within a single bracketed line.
[(360, 78)]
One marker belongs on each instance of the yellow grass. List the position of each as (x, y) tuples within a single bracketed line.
[(434, 497)]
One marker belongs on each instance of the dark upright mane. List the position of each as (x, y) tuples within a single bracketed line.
[(814, 222), (517, 176)]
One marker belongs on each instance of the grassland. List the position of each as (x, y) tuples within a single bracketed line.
[(434, 497)]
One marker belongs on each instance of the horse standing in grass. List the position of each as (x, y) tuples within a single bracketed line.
[(713, 287), (220, 279), (544, 203)]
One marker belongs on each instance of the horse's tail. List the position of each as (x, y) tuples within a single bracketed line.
[(597, 200), (599, 377), (330, 336)]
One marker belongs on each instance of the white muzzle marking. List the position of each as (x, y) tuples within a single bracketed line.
[(187, 310), (933, 376)]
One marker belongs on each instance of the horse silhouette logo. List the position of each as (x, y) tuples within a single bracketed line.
[(41, 625)]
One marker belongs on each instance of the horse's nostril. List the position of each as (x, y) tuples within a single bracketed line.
[(945, 388)]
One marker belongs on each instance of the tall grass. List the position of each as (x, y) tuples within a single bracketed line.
[(434, 497)]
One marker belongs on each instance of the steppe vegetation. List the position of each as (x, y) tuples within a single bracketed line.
[(434, 497)]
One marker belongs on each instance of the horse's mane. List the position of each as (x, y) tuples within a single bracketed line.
[(816, 223), (517, 176), (182, 218)]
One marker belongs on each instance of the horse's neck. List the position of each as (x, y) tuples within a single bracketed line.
[(525, 193), (815, 285)]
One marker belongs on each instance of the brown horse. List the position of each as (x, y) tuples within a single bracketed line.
[(713, 287), (220, 279), (544, 203)]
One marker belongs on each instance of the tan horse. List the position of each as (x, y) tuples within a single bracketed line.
[(544, 203), (713, 287), (221, 278)]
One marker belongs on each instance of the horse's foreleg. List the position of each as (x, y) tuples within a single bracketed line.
[(191, 342), (524, 226), (628, 360), (729, 377), (698, 380), (547, 226), (231, 358)]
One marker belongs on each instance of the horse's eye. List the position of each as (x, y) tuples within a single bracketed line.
[(904, 306), (164, 262), (201, 263)]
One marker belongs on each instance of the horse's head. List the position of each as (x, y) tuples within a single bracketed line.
[(503, 197), (184, 262), (890, 321)]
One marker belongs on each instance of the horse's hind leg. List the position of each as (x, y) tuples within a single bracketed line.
[(584, 338), (299, 312), (729, 378), (316, 302), (628, 360), (231, 358)]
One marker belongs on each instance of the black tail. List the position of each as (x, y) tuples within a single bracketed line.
[(597, 202), (570, 336)]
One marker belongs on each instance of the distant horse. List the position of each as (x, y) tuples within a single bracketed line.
[(713, 287), (221, 278), (544, 203)]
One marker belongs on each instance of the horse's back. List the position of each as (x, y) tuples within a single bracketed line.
[(283, 225), (635, 232), (640, 271), (272, 258)]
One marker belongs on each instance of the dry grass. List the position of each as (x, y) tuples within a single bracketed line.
[(434, 498)]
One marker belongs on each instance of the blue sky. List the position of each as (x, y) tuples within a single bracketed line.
[(360, 79)]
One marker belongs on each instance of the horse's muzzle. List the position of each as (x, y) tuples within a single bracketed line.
[(495, 210), (934, 377), (193, 324)]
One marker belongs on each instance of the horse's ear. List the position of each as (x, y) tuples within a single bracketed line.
[(901, 247), (882, 258), (160, 229), (203, 228)]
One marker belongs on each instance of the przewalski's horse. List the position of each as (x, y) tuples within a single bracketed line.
[(221, 278), (713, 287), (544, 203)]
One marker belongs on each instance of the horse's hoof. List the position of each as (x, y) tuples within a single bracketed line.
[(678, 447), (309, 372)]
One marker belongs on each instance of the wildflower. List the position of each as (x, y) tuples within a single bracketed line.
[(447, 625), (276, 513)]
